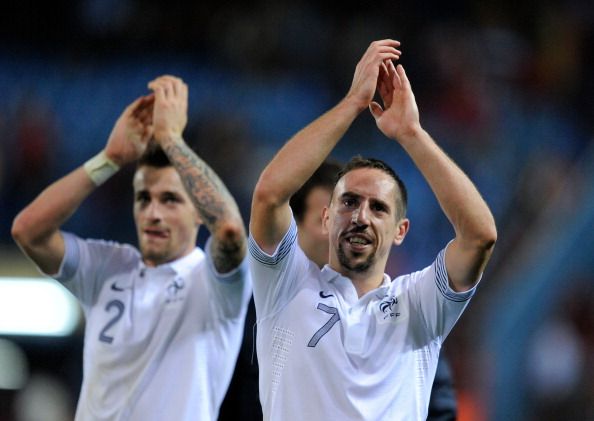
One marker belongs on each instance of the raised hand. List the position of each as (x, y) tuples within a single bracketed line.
[(365, 80), (399, 116), (131, 132), (170, 114)]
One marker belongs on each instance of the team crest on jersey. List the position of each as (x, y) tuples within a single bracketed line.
[(388, 308), (173, 290)]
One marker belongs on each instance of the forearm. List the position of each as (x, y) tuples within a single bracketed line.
[(460, 200), (215, 205), (53, 206), (470, 216), (305, 151), (291, 168), (36, 228)]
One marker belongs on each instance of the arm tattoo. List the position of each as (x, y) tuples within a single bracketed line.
[(213, 201)]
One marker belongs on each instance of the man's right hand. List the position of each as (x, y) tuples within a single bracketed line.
[(131, 132), (367, 72)]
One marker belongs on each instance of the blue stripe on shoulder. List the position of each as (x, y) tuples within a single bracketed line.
[(282, 250), (442, 282)]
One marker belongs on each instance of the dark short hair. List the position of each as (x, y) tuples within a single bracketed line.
[(325, 177), (154, 156), (358, 161)]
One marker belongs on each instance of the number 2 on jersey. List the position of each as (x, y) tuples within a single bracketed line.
[(327, 326), (119, 306)]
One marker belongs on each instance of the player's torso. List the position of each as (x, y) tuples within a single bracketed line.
[(337, 348), (145, 325)]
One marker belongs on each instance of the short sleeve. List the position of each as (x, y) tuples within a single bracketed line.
[(232, 289), (88, 263), (277, 277), (70, 261), (438, 304)]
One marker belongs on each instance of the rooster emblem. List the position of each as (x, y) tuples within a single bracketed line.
[(386, 306)]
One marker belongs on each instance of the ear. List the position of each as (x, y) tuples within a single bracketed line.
[(325, 218), (197, 219), (401, 230)]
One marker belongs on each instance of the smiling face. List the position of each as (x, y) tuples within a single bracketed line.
[(166, 220), (362, 222)]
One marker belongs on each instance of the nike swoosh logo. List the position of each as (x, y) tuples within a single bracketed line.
[(116, 288), (325, 296)]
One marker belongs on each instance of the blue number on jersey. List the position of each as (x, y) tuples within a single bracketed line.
[(324, 329), (119, 306)]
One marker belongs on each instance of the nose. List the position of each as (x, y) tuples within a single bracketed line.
[(359, 215), (153, 211)]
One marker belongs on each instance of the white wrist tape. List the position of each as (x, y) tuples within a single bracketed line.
[(100, 168)]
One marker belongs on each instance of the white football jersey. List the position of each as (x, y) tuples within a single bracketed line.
[(160, 343), (326, 354)]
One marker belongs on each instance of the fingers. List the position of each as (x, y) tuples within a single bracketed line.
[(144, 112), (167, 87), (385, 85), (132, 109), (384, 50), (402, 76), (383, 70), (385, 46), (392, 75), (377, 55), (385, 91), (142, 105), (376, 110), (169, 112)]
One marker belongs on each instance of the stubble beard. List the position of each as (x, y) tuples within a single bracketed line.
[(357, 268), (157, 255)]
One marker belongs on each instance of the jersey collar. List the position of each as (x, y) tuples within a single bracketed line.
[(181, 267), (184, 265), (346, 285), (330, 275)]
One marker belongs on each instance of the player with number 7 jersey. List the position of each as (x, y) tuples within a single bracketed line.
[(324, 350), (346, 342)]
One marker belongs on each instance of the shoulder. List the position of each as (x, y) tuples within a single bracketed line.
[(406, 280), (114, 247), (108, 250), (283, 248)]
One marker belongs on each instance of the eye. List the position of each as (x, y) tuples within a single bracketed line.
[(142, 198), (170, 198), (379, 207), (349, 202)]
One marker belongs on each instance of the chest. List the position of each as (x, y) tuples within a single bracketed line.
[(136, 309), (323, 321)]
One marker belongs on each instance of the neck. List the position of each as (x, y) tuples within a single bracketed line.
[(362, 281), (364, 286), (154, 261)]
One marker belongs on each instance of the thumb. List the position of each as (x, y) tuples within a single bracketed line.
[(376, 110)]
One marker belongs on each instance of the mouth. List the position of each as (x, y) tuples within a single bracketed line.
[(358, 241), (155, 233)]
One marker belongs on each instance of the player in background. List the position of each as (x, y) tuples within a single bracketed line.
[(163, 322)]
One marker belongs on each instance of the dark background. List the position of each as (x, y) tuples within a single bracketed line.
[(505, 88)]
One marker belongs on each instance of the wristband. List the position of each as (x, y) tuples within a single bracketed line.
[(100, 168)]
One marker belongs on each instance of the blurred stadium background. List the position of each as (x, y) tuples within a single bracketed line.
[(505, 87)]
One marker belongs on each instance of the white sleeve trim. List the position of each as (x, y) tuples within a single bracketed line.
[(443, 284), (282, 250)]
